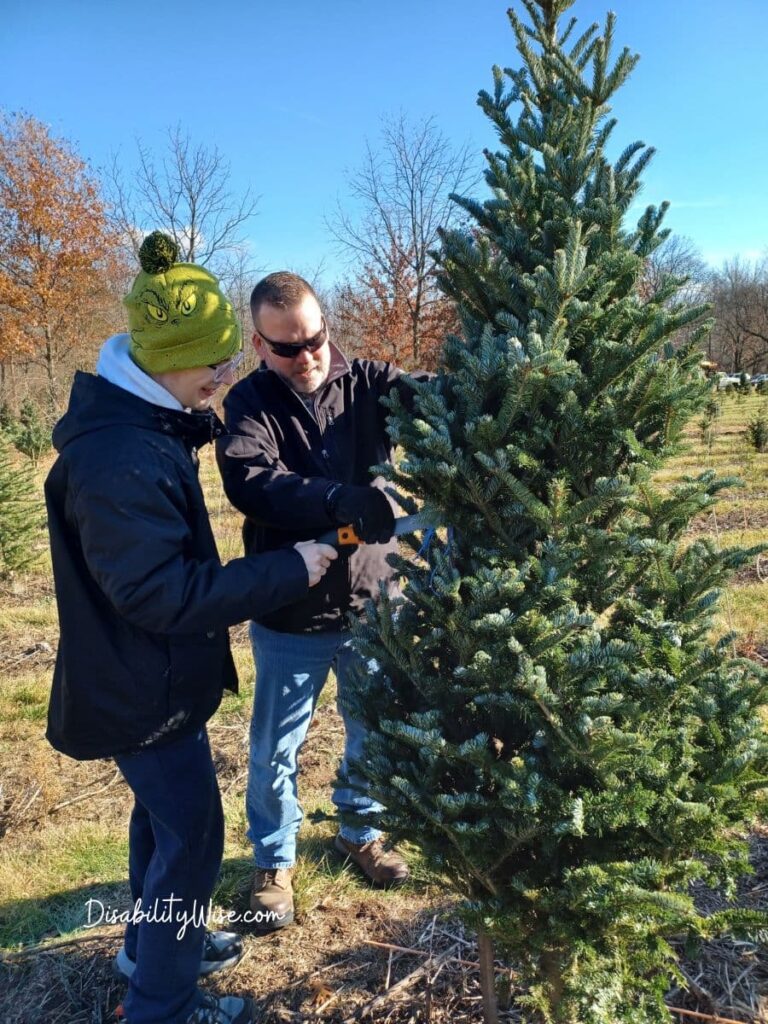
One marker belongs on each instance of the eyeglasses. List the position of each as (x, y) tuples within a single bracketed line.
[(222, 369), (289, 350)]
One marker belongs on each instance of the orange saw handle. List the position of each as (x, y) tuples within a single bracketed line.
[(347, 535)]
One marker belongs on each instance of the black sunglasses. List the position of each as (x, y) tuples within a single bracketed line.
[(288, 350)]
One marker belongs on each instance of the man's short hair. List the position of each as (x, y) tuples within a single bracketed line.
[(282, 289)]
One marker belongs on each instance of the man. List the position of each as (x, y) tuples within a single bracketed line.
[(303, 431), (144, 604)]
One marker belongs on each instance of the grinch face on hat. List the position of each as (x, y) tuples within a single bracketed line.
[(169, 307), (177, 315), (185, 295)]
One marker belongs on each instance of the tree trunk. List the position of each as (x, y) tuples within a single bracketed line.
[(487, 979), (552, 971), (50, 367)]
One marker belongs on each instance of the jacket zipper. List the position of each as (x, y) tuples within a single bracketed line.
[(329, 423), (324, 453)]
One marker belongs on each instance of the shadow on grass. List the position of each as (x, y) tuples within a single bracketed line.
[(77, 985), (74, 983), (322, 871), (336, 908), (31, 921)]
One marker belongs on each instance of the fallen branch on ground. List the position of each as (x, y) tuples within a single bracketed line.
[(416, 952), (410, 979), (54, 947), (703, 1016), (91, 793)]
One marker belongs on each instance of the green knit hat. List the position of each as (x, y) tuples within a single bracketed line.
[(177, 316)]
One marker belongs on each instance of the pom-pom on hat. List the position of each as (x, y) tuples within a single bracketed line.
[(178, 317)]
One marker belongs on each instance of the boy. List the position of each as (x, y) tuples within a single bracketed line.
[(144, 604)]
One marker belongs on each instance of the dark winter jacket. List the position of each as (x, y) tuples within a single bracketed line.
[(143, 600), (279, 458)]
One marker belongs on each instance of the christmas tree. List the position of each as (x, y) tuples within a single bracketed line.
[(553, 719), (21, 513)]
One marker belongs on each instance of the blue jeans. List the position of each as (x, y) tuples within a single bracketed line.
[(176, 842), (291, 670)]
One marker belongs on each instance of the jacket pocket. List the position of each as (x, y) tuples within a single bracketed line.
[(197, 662)]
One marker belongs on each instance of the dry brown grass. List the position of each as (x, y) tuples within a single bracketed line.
[(63, 835)]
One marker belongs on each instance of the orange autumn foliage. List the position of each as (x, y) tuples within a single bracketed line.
[(58, 255), (393, 319)]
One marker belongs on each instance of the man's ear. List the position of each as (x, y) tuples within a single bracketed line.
[(256, 342)]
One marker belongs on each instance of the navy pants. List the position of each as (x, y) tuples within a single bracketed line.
[(176, 841)]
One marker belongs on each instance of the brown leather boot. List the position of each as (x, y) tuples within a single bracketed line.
[(272, 898), (383, 867)]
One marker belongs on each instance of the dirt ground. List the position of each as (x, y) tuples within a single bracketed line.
[(327, 966), (355, 953)]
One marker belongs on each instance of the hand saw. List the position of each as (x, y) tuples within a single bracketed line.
[(345, 535)]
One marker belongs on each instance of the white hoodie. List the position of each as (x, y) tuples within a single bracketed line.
[(116, 366)]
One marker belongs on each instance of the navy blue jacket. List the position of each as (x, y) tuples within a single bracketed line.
[(144, 602), (278, 459)]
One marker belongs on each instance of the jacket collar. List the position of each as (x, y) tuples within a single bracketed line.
[(96, 404), (194, 428), (339, 366)]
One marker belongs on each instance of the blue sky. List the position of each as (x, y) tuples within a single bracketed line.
[(289, 91)]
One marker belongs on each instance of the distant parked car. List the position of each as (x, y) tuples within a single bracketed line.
[(759, 378), (730, 380)]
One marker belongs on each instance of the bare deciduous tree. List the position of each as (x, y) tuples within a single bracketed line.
[(403, 191), (185, 191), (739, 293), (678, 257), (677, 260)]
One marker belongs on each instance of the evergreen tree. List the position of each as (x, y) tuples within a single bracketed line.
[(31, 435), (757, 431), (551, 718), (6, 416), (21, 518)]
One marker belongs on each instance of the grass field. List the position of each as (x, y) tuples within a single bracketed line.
[(63, 835)]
